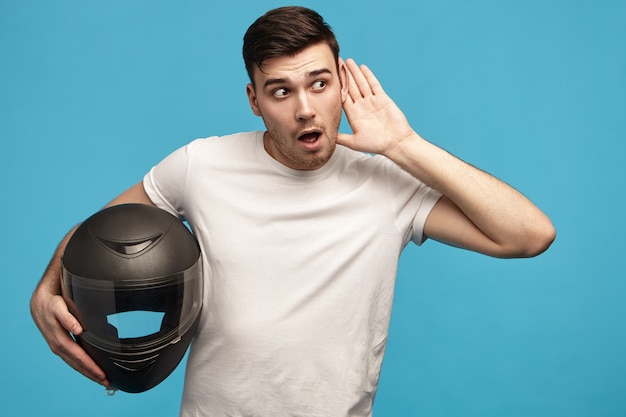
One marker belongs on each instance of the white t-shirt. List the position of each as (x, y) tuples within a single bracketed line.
[(299, 271)]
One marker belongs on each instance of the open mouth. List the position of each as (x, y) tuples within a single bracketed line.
[(310, 137)]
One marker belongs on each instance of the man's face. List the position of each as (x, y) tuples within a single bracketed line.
[(300, 100)]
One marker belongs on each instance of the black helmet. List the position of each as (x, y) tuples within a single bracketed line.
[(131, 260)]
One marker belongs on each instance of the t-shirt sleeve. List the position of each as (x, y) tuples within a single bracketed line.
[(430, 197), (413, 200), (166, 182)]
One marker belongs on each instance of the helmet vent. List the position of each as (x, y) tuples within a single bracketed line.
[(130, 248), (136, 368)]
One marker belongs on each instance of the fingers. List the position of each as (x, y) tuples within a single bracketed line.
[(67, 320), (361, 81), (358, 86), (78, 359), (55, 323)]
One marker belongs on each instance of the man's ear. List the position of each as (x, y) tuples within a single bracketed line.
[(343, 78), (254, 104)]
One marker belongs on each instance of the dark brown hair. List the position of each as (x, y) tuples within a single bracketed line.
[(285, 32)]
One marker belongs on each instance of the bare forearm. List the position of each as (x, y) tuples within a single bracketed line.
[(505, 216), (51, 279)]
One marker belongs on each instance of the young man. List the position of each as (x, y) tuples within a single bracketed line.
[(301, 237)]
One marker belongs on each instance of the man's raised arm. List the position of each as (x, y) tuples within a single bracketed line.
[(477, 211)]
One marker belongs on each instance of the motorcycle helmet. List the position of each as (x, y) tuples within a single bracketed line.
[(125, 263)]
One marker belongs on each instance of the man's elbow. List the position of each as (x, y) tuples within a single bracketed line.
[(538, 240)]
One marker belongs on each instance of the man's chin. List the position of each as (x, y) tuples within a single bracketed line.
[(319, 159)]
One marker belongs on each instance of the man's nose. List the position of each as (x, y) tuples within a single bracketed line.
[(304, 109)]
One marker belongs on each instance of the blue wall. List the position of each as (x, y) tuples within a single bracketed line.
[(92, 94)]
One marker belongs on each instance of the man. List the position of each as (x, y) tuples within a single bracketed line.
[(301, 237)]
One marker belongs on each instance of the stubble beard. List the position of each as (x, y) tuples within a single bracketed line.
[(305, 161)]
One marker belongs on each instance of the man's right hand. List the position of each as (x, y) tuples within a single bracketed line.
[(55, 323)]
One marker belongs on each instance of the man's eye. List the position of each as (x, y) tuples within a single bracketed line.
[(319, 85), (280, 92)]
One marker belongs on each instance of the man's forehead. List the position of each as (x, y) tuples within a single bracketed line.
[(310, 62)]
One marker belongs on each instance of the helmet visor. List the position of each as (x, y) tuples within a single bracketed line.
[(135, 315)]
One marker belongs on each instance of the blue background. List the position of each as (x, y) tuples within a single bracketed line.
[(92, 94)]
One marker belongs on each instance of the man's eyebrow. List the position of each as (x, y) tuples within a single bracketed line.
[(312, 74), (272, 81), (320, 71)]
